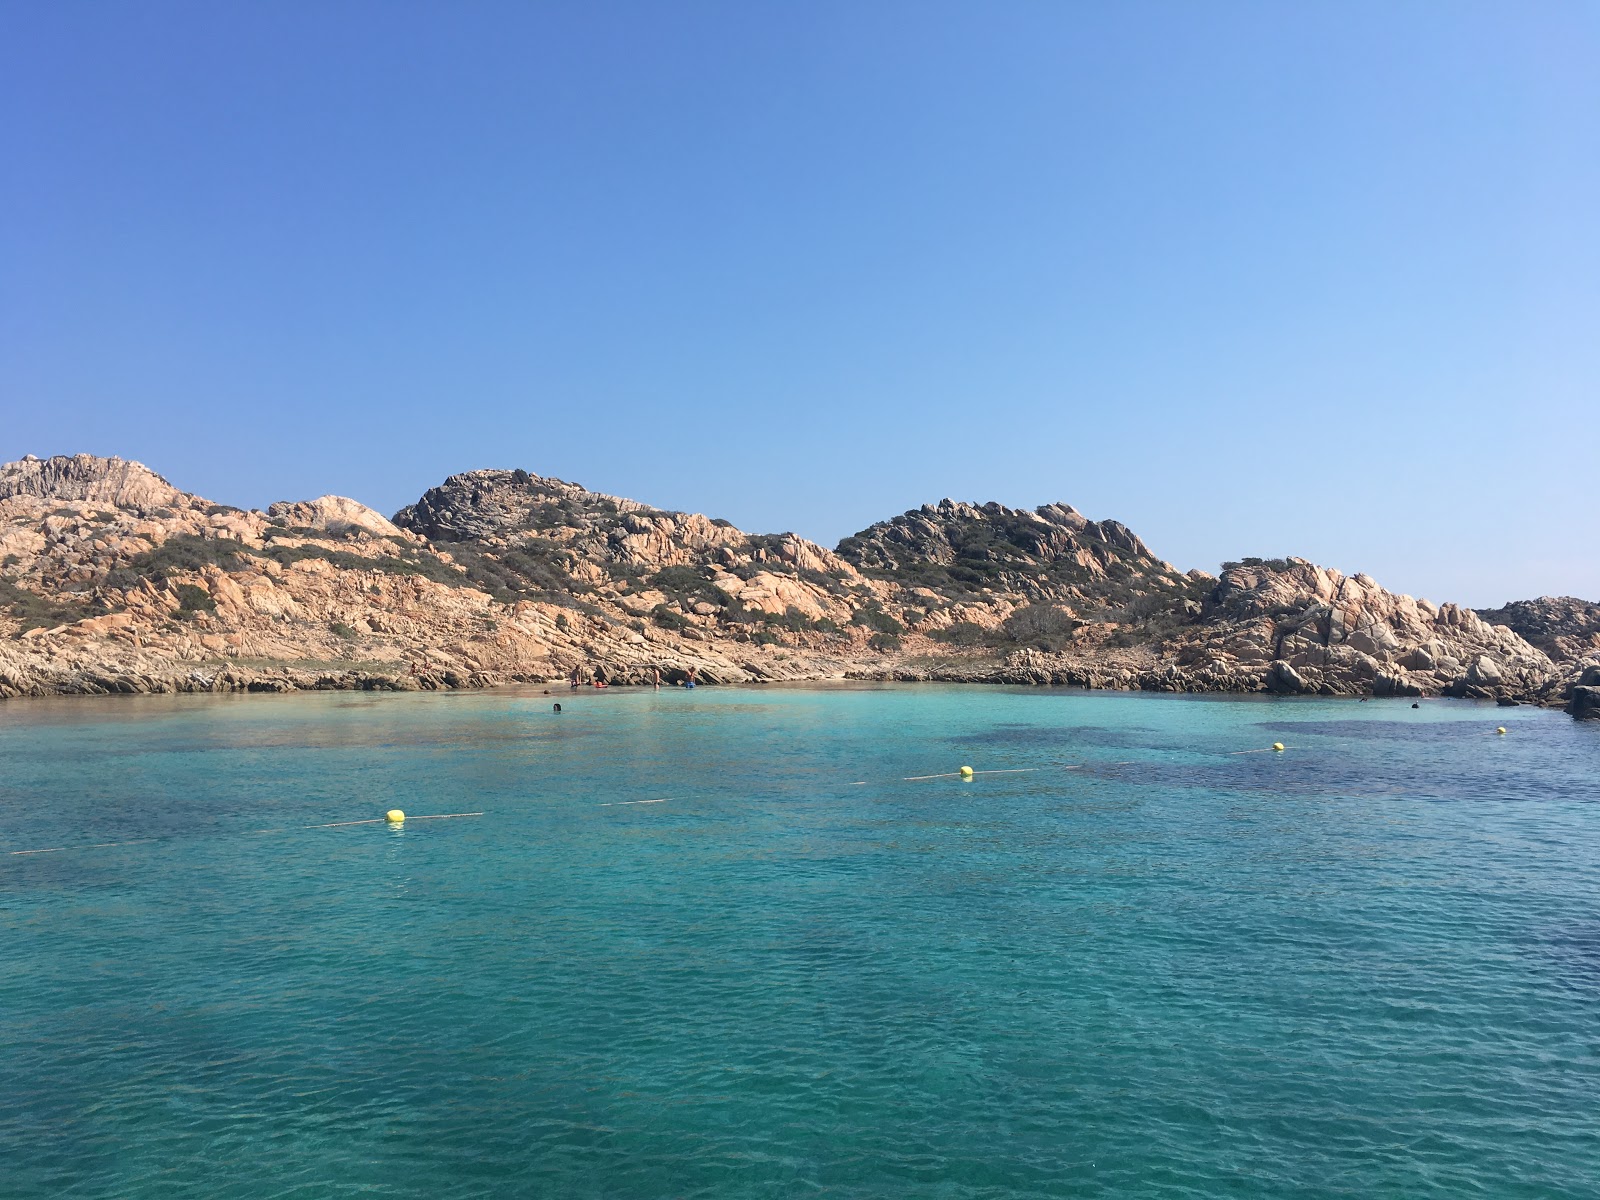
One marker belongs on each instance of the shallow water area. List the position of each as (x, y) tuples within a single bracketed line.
[(728, 943)]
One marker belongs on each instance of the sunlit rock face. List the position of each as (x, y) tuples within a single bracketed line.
[(112, 579), (117, 482)]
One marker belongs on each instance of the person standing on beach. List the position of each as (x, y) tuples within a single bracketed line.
[(656, 672)]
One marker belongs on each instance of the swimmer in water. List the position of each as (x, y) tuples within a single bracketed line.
[(557, 706)]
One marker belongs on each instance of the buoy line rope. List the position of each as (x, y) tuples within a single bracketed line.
[(954, 774), (284, 829), (96, 846), (1127, 762), (379, 821), (619, 803)]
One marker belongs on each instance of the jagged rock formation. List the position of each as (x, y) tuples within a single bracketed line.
[(113, 580), (1052, 552), (999, 580), (547, 534), (1583, 696), (1568, 630), (331, 514), (1564, 627), (112, 482), (1320, 631)]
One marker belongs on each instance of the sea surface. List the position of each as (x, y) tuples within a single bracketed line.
[(1138, 954)]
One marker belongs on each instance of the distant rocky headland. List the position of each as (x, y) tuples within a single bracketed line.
[(113, 580)]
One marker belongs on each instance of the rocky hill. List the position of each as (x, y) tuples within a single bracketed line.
[(1564, 627), (1319, 630), (111, 579), (1568, 630), (524, 536), (1052, 553)]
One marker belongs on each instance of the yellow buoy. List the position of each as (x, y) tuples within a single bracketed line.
[(1277, 745), (1500, 729), (966, 772), (395, 817)]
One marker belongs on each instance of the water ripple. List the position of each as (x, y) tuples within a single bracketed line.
[(1149, 966)]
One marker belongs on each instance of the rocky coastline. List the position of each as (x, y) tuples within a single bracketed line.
[(112, 580)]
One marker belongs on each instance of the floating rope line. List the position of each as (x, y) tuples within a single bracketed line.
[(95, 846), (285, 829), (954, 774), (618, 803), (386, 821)]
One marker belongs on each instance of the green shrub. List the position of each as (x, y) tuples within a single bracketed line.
[(37, 612), (537, 571), (193, 599), (737, 612), (873, 617), (688, 586), (1271, 564), (884, 641), (962, 633), (410, 562), (184, 554), (668, 617), (791, 619), (679, 581), (1041, 627), (342, 630), (545, 515)]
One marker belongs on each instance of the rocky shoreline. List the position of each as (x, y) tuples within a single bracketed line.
[(112, 581), (1582, 700)]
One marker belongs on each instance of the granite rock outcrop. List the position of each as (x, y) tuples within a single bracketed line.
[(112, 579)]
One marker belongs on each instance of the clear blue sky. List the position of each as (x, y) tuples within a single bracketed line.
[(1253, 278)]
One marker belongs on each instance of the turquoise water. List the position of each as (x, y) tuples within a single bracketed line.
[(1138, 964)]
